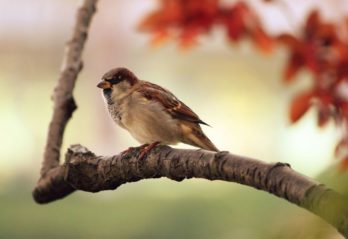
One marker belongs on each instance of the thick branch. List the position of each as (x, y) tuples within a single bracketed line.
[(85, 171)]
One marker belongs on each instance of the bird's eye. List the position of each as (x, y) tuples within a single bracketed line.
[(115, 80)]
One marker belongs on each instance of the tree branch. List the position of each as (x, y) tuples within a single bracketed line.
[(64, 103), (83, 170)]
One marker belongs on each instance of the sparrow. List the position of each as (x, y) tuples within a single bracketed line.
[(150, 113)]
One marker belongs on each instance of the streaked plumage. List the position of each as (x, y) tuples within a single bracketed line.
[(149, 112)]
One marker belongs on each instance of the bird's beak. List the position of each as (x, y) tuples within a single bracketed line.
[(104, 85)]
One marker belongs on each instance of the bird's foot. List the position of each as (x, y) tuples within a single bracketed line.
[(130, 149), (146, 148)]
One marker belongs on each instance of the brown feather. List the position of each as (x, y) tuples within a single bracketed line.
[(176, 108), (194, 135)]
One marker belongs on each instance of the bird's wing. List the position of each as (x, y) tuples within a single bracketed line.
[(172, 105)]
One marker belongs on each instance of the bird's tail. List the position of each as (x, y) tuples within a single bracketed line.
[(199, 139)]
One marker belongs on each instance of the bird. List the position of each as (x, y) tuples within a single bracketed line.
[(150, 113)]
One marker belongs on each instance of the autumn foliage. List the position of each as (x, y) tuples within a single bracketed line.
[(185, 20), (321, 48)]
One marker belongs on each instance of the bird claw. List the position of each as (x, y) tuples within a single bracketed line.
[(130, 149), (146, 149)]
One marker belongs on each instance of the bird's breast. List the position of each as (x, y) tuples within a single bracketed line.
[(148, 122), (116, 113)]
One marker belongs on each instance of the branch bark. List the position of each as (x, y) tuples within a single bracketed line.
[(64, 103), (83, 170)]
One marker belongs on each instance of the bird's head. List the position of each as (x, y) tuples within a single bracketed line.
[(116, 83)]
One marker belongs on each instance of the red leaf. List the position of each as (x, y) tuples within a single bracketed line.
[(289, 41), (325, 98), (188, 37), (170, 12), (310, 57), (233, 19), (344, 109), (295, 63), (300, 105), (150, 22), (262, 40), (204, 7), (159, 37), (312, 24), (324, 114)]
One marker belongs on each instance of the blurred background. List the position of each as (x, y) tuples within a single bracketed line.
[(234, 88)]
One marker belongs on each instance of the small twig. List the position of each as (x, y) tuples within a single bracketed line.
[(64, 103)]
